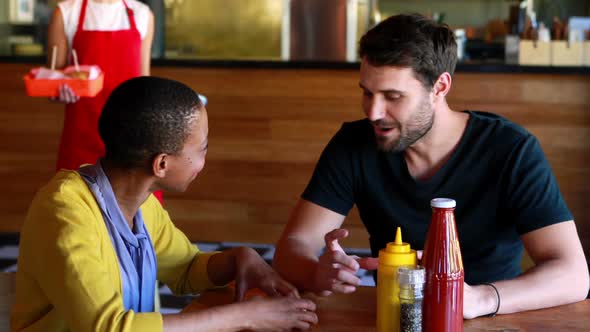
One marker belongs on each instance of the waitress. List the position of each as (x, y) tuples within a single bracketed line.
[(117, 36)]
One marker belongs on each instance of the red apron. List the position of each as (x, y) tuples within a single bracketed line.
[(118, 54)]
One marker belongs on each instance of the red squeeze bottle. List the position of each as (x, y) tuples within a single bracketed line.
[(443, 291)]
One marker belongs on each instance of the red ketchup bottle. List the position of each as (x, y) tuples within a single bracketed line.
[(443, 292)]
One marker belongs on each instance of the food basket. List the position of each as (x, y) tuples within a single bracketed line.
[(87, 81)]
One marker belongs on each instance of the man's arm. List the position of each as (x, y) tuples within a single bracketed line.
[(560, 275), (561, 272), (310, 228)]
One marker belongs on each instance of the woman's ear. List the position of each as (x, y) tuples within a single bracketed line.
[(160, 165)]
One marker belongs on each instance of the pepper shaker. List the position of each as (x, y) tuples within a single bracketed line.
[(411, 292)]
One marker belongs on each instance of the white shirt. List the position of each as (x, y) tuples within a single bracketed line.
[(103, 16)]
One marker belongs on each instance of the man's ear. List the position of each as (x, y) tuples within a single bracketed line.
[(160, 165), (442, 86)]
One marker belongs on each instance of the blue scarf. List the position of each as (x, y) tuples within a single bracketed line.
[(137, 258)]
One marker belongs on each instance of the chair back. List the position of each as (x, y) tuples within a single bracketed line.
[(7, 291)]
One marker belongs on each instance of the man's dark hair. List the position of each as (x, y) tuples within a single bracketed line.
[(411, 41), (146, 116)]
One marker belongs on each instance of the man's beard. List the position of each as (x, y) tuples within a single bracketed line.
[(418, 126)]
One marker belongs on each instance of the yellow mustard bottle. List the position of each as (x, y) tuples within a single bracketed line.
[(394, 255)]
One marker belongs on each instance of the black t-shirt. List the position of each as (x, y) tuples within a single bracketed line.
[(498, 174)]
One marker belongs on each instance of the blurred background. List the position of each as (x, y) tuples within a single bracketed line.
[(326, 30)]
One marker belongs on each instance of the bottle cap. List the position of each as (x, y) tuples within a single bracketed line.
[(398, 246), (410, 275), (444, 203), (397, 252)]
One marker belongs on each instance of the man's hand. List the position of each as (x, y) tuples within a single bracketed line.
[(253, 272), (336, 271), (478, 300)]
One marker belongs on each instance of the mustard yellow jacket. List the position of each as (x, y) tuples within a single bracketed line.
[(68, 274)]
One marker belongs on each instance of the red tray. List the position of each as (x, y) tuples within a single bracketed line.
[(50, 87)]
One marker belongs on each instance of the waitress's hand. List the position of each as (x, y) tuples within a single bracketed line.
[(66, 95)]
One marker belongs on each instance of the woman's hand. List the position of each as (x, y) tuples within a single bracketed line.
[(278, 314), (257, 314), (253, 272)]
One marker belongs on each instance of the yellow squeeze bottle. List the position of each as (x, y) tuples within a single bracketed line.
[(394, 255)]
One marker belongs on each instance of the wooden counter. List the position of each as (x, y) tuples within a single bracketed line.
[(269, 126), (356, 312)]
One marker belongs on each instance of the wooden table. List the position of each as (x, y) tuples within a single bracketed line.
[(356, 312)]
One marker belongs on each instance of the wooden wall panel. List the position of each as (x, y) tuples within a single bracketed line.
[(267, 129)]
